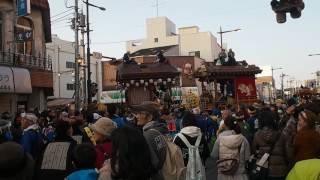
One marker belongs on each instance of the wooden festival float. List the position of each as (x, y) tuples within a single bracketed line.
[(227, 81)]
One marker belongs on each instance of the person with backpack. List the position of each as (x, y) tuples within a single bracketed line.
[(130, 159), (194, 148), (269, 149), (31, 139), (231, 151), (102, 130), (191, 132), (56, 166)]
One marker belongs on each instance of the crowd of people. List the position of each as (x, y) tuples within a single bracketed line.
[(149, 142)]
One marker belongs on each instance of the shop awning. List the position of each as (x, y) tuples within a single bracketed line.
[(15, 80), (60, 102)]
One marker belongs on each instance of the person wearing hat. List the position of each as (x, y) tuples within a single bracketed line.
[(244, 126), (101, 131), (307, 140), (15, 163), (147, 115), (31, 139)]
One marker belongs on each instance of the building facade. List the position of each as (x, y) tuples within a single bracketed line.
[(63, 66), (189, 41), (25, 68)]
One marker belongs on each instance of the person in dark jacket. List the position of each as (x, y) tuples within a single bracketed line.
[(191, 132), (31, 139), (102, 130), (267, 137), (307, 140), (56, 162), (112, 113)]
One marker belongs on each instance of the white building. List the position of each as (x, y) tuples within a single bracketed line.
[(63, 64), (189, 41)]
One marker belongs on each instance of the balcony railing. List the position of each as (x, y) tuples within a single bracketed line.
[(24, 60)]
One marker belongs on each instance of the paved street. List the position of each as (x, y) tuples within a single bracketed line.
[(211, 169)]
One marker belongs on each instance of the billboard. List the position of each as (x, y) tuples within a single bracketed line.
[(109, 97), (23, 7)]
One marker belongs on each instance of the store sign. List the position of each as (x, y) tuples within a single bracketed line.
[(23, 7), (24, 36), (6, 80), (109, 97)]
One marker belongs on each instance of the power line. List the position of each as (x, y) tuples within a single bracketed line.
[(61, 13), (61, 17)]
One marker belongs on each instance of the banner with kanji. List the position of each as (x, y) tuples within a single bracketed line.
[(246, 87)]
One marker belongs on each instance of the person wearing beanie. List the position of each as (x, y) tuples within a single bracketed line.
[(307, 140), (102, 130), (15, 163), (31, 139), (191, 131), (84, 161), (56, 166), (245, 128)]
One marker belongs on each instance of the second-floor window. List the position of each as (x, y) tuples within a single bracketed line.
[(24, 35), (195, 53), (70, 64), (70, 87)]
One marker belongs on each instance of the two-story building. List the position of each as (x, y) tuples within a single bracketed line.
[(25, 69), (189, 41)]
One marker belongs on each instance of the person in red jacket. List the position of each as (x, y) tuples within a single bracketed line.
[(102, 130)]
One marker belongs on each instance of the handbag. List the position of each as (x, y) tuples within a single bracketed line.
[(259, 168)]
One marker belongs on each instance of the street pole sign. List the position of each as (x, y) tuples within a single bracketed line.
[(23, 7)]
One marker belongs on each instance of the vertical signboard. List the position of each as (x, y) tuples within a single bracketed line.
[(23, 7)]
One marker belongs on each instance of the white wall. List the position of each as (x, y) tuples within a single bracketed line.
[(189, 39), (62, 51)]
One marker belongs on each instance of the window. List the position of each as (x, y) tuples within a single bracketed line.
[(156, 40), (24, 35), (70, 87), (70, 64), (195, 53)]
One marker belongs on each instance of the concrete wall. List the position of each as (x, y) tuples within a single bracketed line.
[(189, 39)]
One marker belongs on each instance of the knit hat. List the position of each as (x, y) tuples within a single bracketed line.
[(30, 117), (239, 116), (103, 126), (252, 110), (14, 162)]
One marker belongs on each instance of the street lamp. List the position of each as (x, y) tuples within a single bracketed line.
[(88, 47), (223, 32), (314, 55)]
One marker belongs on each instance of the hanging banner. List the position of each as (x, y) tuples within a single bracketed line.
[(109, 97), (246, 87), (23, 7)]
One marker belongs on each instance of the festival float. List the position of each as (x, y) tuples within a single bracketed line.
[(227, 81), (147, 81)]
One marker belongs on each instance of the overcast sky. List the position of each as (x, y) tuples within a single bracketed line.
[(261, 41)]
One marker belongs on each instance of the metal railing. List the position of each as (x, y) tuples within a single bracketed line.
[(10, 58)]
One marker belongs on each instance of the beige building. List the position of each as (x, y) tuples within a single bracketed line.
[(189, 41), (25, 68)]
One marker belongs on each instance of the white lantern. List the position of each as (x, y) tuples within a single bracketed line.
[(141, 81), (173, 82), (164, 82), (160, 80), (132, 81), (155, 83), (150, 80), (205, 84), (137, 84), (146, 83), (128, 84), (169, 79)]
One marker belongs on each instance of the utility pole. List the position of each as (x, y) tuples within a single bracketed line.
[(84, 82), (88, 55), (76, 48), (282, 85), (157, 5)]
